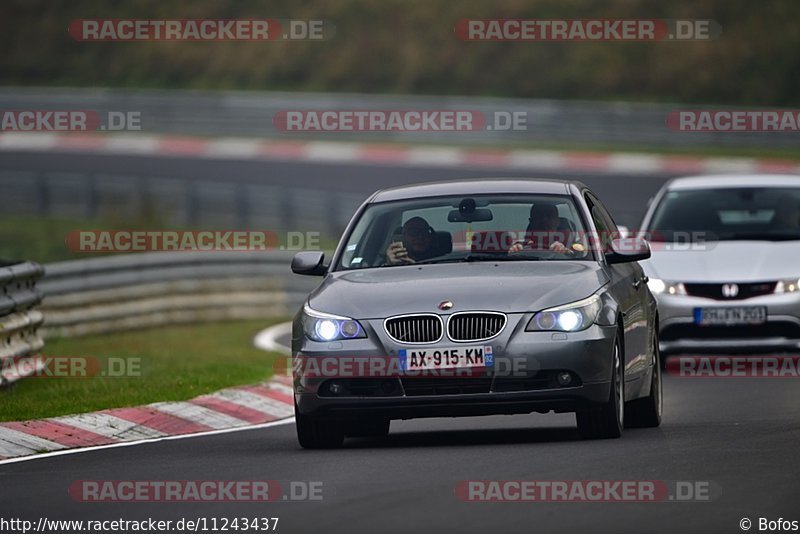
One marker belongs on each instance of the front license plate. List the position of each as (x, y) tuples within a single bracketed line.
[(446, 358), (730, 316)]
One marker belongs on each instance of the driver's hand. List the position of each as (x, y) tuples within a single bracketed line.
[(398, 255), (517, 247), (557, 247)]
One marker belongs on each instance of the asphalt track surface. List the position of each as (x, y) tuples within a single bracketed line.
[(738, 434), (625, 196)]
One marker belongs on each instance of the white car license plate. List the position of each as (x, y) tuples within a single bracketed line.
[(446, 358), (730, 316)]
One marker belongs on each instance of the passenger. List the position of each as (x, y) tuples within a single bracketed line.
[(544, 232)]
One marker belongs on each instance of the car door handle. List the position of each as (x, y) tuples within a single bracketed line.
[(638, 283)]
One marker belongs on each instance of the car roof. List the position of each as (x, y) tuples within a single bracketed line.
[(476, 187), (722, 181)]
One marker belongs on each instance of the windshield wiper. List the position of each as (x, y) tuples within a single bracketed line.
[(500, 257), (479, 257), (761, 236)]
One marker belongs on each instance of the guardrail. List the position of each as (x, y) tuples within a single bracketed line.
[(250, 114), (19, 320), (142, 290), (180, 200)]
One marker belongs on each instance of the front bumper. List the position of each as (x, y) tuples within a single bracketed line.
[(521, 380), (679, 333)]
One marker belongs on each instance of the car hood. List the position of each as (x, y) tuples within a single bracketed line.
[(727, 261), (507, 287)]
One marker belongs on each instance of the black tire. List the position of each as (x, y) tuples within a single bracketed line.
[(646, 412), (371, 427), (318, 433), (607, 420)]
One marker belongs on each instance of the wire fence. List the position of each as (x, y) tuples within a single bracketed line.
[(177, 201)]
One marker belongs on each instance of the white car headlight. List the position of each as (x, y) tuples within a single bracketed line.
[(658, 287), (321, 326), (571, 317), (788, 286)]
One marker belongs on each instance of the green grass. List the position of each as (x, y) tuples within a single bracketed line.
[(43, 239), (176, 363)]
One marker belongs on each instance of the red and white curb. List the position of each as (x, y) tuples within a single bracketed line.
[(231, 408), (385, 154)]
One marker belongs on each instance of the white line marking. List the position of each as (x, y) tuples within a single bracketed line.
[(28, 141), (154, 440), (327, 151), (536, 159), (267, 339), (234, 148), (723, 165), (132, 144), (435, 156), (622, 162)]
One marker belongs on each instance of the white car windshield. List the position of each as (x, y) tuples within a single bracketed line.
[(752, 213)]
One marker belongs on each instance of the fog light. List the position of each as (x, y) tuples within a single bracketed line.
[(564, 378), (335, 388)]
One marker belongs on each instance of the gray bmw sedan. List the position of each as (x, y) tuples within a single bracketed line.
[(476, 298)]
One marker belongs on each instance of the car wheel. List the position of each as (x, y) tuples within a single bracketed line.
[(646, 412), (607, 420), (314, 432), (371, 427)]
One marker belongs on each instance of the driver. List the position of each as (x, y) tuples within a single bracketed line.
[(543, 231), (417, 243), (787, 214)]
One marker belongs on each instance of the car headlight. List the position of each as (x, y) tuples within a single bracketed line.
[(788, 286), (670, 288), (571, 317), (321, 326)]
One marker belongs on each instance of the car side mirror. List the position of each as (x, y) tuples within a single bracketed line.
[(628, 250), (309, 263)]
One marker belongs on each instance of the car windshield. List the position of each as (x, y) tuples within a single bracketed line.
[(752, 213), (467, 229)]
